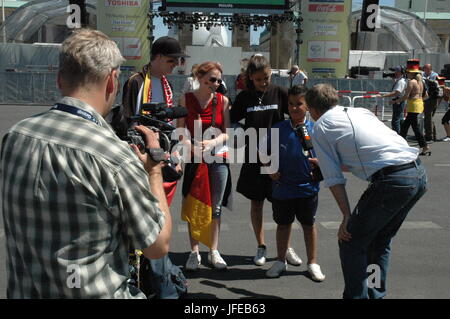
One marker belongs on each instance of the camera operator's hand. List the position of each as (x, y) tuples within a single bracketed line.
[(151, 141)]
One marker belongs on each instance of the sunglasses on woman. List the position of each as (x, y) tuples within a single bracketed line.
[(214, 80)]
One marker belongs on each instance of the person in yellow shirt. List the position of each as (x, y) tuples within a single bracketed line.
[(415, 94)]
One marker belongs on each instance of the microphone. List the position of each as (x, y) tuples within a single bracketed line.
[(172, 112), (307, 145), (303, 133)]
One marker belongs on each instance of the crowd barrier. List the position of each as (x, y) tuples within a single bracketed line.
[(39, 87), (351, 97)]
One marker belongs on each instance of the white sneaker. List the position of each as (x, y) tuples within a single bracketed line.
[(260, 258), (315, 272), (193, 261), (277, 268), (292, 258), (216, 260), (445, 139)]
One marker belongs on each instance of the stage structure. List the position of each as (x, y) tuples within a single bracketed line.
[(239, 16), (233, 6)]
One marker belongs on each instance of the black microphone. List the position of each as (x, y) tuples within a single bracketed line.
[(303, 133), (172, 112), (307, 145)]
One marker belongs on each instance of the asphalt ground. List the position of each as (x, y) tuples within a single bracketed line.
[(420, 259)]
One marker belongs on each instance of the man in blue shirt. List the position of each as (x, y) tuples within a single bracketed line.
[(294, 191), (354, 139)]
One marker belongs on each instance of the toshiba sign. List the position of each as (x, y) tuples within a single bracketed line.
[(326, 8), (123, 3)]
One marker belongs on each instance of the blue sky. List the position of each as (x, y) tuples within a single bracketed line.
[(161, 30)]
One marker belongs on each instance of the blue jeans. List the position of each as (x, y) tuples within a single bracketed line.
[(376, 219), (397, 116), (218, 176)]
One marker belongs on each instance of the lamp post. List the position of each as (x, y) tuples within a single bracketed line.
[(425, 11), (3, 21), (150, 23), (298, 41)]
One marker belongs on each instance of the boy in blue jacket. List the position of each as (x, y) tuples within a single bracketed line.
[(294, 189)]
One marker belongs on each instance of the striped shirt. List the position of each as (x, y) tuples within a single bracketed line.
[(74, 199)]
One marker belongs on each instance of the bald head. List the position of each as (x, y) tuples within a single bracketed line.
[(294, 69), (427, 68)]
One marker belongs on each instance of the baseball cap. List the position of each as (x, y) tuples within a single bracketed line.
[(397, 68), (168, 46)]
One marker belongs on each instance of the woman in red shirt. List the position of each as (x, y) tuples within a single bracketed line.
[(202, 104)]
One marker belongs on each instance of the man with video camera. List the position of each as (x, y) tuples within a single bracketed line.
[(151, 85), (398, 90), (74, 195), (145, 92)]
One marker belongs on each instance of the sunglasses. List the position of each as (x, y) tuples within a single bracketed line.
[(214, 80)]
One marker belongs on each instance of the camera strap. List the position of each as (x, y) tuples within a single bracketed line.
[(75, 111), (214, 108)]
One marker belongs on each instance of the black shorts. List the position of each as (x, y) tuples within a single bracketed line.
[(254, 185), (284, 211)]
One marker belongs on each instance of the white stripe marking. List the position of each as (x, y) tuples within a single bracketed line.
[(405, 225), (420, 225), (442, 165)]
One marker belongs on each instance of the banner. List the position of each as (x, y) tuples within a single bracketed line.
[(227, 5), (326, 38), (125, 22)]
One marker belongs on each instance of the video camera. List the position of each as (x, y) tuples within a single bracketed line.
[(157, 117), (400, 69), (388, 75)]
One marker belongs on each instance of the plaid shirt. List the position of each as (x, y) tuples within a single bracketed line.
[(74, 198)]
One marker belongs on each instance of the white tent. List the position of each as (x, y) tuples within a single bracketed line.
[(25, 25), (401, 31)]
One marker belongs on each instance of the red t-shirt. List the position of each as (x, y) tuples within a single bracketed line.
[(195, 112)]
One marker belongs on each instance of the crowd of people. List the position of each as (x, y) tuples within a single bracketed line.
[(86, 196)]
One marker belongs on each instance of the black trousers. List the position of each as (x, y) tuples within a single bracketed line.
[(430, 106), (411, 120)]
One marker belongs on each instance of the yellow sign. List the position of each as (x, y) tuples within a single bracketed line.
[(326, 37), (125, 22)]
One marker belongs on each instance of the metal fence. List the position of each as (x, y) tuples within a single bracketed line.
[(40, 88)]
